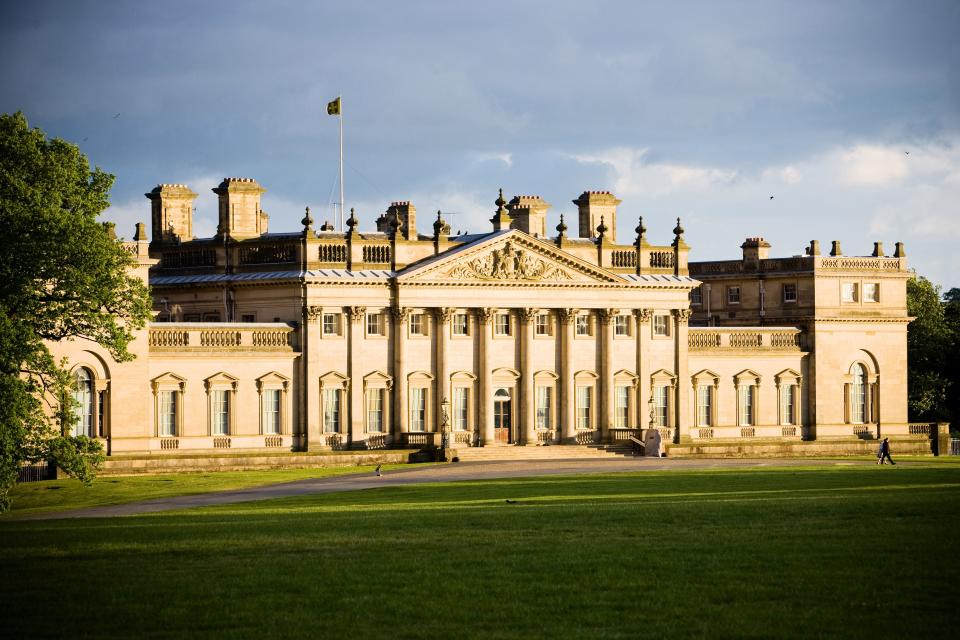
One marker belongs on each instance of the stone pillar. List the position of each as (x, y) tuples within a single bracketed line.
[(485, 399), (442, 316), (398, 316), (356, 431), (310, 430), (528, 401), (642, 317), (682, 404), (567, 413), (606, 317)]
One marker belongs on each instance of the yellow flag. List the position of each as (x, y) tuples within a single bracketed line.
[(333, 108)]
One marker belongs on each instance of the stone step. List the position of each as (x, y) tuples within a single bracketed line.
[(554, 452)]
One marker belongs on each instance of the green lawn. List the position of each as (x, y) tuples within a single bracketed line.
[(60, 495), (843, 551)]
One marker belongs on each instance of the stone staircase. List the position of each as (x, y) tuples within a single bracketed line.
[(551, 452)]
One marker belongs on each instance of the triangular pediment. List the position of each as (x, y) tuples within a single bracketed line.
[(509, 257)]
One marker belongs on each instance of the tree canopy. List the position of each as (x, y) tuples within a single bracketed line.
[(933, 349), (63, 275)]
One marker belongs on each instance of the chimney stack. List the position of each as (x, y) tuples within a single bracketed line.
[(240, 215), (594, 205), (171, 212), (529, 214)]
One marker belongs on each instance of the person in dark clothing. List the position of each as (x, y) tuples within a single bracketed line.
[(884, 453)]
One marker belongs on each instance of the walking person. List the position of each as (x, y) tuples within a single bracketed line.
[(884, 453)]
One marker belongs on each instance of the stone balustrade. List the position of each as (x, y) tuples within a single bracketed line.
[(744, 339), (218, 336)]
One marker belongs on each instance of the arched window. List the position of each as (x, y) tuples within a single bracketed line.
[(858, 394), (83, 409)]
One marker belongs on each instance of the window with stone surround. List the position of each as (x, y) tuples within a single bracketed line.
[(661, 325), (733, 295), (696, 296), (789, 292), (621, 325), (542, 325), (459, 324), (848, 292), (375, 324), (375, 402), (871, 292), (622, 403), (418, 324), (501, 325), (331, 324), (584, 326), (584, 407), (221, 396), (332, 403)]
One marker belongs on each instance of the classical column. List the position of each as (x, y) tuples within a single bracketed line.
[(355, 374), (606, 372), (484, 318), (682, 404), (643, 366), (567, 318), (442, 316), (398, 316), (528, 402), (309, 433)]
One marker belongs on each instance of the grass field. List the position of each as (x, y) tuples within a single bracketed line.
[(67, 493), (815, 552)]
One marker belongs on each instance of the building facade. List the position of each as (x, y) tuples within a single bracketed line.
[(322, 339)]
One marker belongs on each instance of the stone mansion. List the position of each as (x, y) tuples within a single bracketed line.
[(517, 336)]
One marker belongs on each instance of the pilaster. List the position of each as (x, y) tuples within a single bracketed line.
[(682, 405), (527, 399), (606, 317), (485, 399), (644, 391), (442, 340), (354, 373), (398, 320), (567, 406), (311, 421)]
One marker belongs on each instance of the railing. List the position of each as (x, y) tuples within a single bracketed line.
[(219, 338), (744, 338), (332, 440), (269, 254), (37, 472), (706, 433), (221, 443), (788, 432), (662, 260), (161, 338), (719, 266), (862, 431), (332, 253), (921, 429), (955, 446), (273, 441), (169, 443), (377, 253), (748, 432), (234, 336), (377, 442), (586, 437), (462, 437), (623, 258), (639, 448), (860, 263), (545, 437), (188, 258)]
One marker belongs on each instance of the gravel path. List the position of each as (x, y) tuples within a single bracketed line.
[(434, 473)]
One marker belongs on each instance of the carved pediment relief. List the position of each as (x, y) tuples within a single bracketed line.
[(511, 262), (512, 257)]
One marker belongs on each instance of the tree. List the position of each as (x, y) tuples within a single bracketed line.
[(931, 351), (63, 275)]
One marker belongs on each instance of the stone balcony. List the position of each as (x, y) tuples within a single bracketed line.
[(744, 339), (221, 336)]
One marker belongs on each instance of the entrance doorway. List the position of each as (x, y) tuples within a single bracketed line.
[(502, 416)]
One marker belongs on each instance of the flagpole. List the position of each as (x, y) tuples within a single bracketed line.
[(341, 164)]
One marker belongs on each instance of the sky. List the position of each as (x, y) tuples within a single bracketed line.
[(846, 113)]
